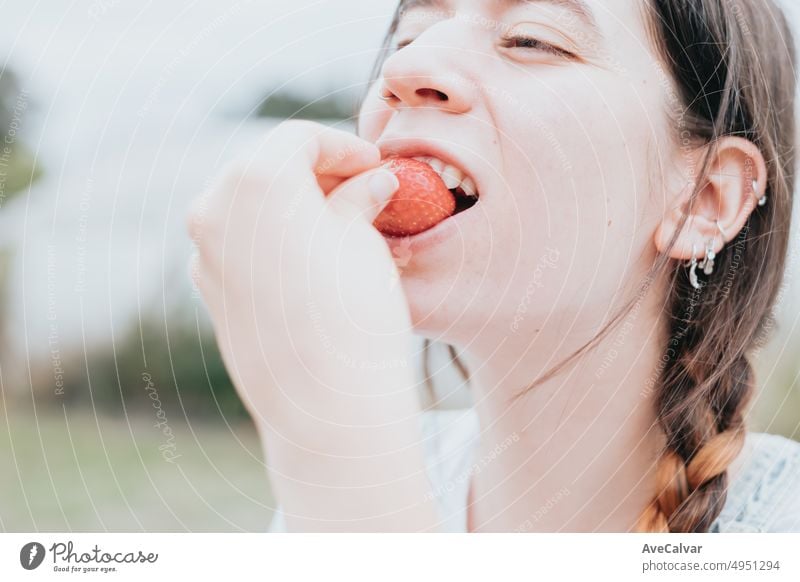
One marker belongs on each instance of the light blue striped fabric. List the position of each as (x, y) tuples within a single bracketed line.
[(764, 496)]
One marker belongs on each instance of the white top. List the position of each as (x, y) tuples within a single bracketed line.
[(764, 497)]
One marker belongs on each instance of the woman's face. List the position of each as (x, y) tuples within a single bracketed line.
[(558, 110)]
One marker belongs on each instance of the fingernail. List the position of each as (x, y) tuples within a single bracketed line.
[(382, 185)]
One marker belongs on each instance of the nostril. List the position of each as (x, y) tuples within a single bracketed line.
[(432, 93)]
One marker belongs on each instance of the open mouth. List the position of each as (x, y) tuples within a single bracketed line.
[(457, 181)]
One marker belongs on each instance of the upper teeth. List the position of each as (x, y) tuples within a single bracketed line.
[(452, 176)]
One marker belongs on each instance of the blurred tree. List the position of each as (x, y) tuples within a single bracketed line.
[(17, 168), (167, 363), (284, 105)]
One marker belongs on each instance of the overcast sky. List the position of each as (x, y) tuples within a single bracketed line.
[(153, 53), (205, 52)]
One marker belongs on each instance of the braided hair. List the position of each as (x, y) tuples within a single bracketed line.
[(716, 51)]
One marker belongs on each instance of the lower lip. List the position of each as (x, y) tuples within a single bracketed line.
[(435, 236)]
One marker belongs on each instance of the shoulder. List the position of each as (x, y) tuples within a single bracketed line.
[(764, 490)]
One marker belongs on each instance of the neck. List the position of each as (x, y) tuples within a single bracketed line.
[(578, 451)]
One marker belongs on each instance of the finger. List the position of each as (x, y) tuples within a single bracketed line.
[(365, 195), (329, 183), (299, 163), (323, 150), (340, 154)]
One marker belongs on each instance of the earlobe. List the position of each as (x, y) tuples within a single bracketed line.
[(734, 186)]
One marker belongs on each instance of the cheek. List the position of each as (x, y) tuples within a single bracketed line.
[(581, 190)]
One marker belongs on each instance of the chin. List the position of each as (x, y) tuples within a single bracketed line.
[(442, 312), (429, 305)]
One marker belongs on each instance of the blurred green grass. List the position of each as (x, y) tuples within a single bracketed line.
[(70, 470), (90, 460)]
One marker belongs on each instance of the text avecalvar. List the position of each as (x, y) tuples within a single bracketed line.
[(671, 549)]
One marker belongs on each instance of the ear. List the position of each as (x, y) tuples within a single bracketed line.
[(735, 181)]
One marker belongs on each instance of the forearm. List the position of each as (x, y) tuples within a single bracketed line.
[(369, 477)]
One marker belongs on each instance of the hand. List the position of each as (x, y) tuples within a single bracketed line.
[(295, 276), (314, 332)]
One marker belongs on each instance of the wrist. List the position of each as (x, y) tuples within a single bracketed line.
[(344, 427)]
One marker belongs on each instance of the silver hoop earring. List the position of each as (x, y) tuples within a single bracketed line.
[(707, 264), (692, 264), (762, 201), (722, 232)]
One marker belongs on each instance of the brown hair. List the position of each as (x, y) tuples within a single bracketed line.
[(732, 65)]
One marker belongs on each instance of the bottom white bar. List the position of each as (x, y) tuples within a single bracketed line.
[(406, 557)]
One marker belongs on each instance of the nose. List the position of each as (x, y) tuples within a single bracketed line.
[(425, 76)]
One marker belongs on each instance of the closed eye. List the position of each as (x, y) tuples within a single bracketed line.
[(534, 44)]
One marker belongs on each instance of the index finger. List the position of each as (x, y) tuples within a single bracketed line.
[(326, 151)]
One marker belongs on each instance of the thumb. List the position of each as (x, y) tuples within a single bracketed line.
[(364, 195)]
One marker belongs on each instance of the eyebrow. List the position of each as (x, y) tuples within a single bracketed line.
[(578, 7)]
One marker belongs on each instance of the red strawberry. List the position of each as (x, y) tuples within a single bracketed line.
[(421, 202)]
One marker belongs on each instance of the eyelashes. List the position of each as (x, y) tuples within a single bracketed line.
[(402, 44), (521, 42), (534, 44)]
